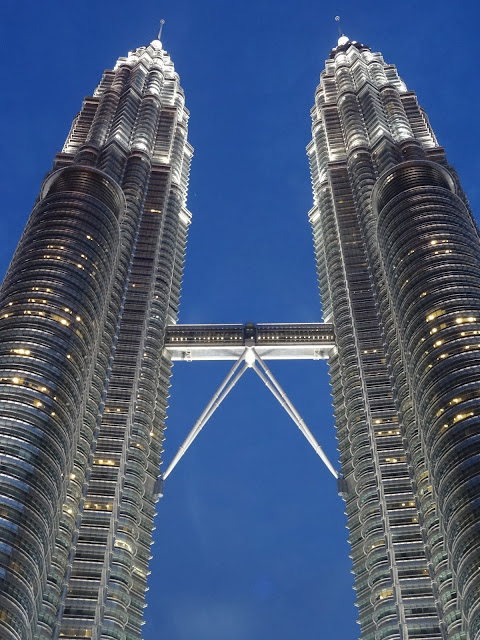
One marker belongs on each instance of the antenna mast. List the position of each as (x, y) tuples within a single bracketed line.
[(162, 22), (340, 32)]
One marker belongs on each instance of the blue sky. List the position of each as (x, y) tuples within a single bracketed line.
[(250, 541)]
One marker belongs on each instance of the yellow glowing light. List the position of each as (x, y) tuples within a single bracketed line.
[(16, 380), (21, 352)]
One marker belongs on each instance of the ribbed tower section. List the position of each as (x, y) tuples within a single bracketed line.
[(398, 263), (84, 382)]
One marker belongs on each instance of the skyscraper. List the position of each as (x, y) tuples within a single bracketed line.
[(94, 283), (83, 387), (399, 265)]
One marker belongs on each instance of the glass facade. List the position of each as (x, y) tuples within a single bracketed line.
[(84, 379), (399, 264)]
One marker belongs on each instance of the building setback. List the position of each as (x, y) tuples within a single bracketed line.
[(399, 269), (83, 382)]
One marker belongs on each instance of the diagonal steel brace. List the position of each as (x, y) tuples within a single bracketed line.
[(286, 403), (223, 390)]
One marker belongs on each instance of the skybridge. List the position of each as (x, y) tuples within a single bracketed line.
[(305, 341), (249, 345)]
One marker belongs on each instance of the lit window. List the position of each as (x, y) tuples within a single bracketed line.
[(21, 352), (434, 314)]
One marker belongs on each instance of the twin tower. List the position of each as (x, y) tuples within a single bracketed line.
[(88, 311)]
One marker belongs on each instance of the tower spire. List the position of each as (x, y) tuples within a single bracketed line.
[(340, 32), (342, 38), (162, 22)]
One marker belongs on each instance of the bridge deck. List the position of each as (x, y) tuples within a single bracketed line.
[(306, 341)]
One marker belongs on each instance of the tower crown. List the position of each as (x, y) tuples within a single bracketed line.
[(344, 43)]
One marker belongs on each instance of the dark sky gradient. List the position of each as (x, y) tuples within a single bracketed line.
[(250, 541)]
